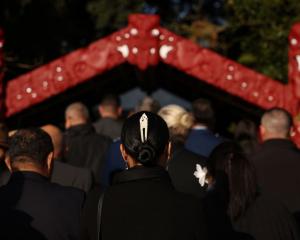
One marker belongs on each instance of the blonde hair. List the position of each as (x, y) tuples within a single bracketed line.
[(179, 120)]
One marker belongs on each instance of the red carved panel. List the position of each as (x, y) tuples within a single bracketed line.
[(228, 75), (61, 74), (143, 43)]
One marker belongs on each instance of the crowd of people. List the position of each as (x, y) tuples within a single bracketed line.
[(159, 173)]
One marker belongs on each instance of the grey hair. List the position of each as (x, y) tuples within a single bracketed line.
[(77, 111), (277, 120)]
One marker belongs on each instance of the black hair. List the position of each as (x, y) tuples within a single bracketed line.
[(203, 112), (30, 145), (246, 135), (229, 159), (111, 100), (149, 151)]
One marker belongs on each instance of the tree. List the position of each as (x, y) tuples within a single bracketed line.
[(38, 31), (257, 34)]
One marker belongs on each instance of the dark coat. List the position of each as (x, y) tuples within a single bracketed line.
[(62, 173), (33, 208), (215, 206), (109, 127), (142, 204), (278, 169), (181, 169), (83, 147), (267, 219), (71, 176), (202, 141)]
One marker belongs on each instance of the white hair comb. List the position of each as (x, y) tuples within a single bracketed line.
[(144, 127)]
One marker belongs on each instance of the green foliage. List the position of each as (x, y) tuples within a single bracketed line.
[(111, 15), (257, 34)]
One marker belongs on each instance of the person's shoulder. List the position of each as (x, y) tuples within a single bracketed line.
[(271, 208), (195, 157), (74, 169), (100, 138), (66, 191), (187, 158), (70, 169)]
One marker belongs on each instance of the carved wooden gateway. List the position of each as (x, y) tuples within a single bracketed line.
[(145, 43)]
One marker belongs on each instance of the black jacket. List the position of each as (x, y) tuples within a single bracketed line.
[(266, 219), (71, 176), (142, 204), (62, 173), (181, 169), (109, 127), (33, 208), (278, 169), (83, 147)]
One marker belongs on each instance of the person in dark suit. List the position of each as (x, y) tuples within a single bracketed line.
[(183, 163), (201, 140), (142, 203), (83, 147), (278, 160), (63, 173), (31, 206), (110, 110)]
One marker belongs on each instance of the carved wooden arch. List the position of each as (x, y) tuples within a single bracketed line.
[(143, 43)]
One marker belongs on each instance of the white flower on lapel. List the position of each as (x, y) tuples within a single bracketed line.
[(200, 173)]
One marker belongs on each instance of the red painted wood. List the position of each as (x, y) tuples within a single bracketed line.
[(144, 43)]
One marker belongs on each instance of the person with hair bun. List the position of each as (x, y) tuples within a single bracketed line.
[(142, 203), (183, 162)]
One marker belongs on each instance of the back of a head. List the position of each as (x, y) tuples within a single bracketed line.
[(246, 135), (110, 103), (245, 129), (146, 141), (56, 136), (148, 104), (203, 112), (229, 158), (277, 122), (77, 113), (32, 145), (179, 120)]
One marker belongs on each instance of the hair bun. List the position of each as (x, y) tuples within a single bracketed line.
[(146, 154)]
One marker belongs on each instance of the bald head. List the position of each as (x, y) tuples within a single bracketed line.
[(56, 137), (276, 123), (76, 114)]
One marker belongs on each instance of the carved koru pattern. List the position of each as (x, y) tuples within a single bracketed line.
[(144, 43)]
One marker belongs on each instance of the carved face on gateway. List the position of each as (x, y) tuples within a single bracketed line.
[(143, 42)]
